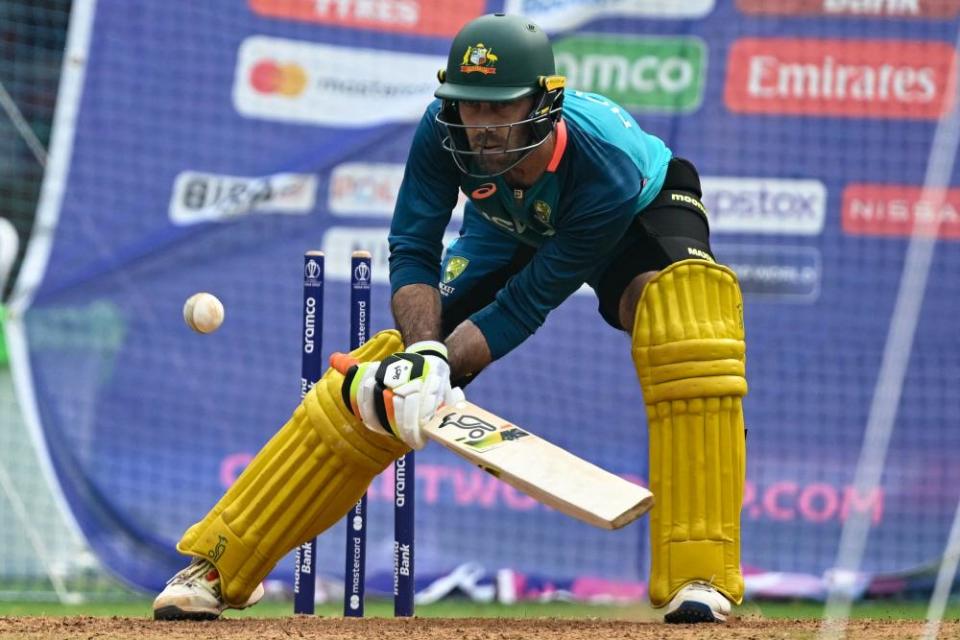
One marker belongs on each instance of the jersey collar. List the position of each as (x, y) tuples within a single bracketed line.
[(560, 147)]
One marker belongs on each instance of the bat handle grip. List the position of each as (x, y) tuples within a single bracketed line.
[(342, 361)]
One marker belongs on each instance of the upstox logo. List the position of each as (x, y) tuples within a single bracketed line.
[(657, 74), (765, 205)]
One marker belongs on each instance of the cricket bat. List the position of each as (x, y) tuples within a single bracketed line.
[(547, 473)]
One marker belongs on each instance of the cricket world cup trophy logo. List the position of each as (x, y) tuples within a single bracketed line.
[(312, 272)]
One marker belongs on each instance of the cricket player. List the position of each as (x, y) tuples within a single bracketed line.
[(564, 188)]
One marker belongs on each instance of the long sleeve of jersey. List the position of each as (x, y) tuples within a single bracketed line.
[(559, 268), (604, 190), (427, 197)]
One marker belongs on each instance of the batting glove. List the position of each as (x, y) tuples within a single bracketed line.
[(401, 393)]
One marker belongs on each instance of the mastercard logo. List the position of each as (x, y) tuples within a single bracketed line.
[(269, 76)]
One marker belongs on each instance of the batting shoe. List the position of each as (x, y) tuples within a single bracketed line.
[(194, 594), (697, 602)]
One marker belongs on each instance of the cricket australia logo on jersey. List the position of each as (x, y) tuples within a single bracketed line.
[(479, 59), (451, 271), (455, 266)]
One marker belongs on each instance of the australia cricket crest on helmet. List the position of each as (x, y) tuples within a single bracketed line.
[(498, 58), (479, 59)]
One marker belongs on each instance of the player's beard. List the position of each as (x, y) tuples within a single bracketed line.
[(492, 159), (496, 162)]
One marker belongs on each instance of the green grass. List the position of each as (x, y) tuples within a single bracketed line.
[(459, 608)]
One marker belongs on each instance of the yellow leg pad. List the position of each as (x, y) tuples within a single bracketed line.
[(689, 350), (307, 477)]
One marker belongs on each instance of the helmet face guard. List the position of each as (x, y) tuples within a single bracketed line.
[(522, 137), (498, 58)]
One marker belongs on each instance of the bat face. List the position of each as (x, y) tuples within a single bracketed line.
[(471, 430), (544, 471)]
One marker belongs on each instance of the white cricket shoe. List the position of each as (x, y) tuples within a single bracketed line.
[(194, 594), (697, 602)]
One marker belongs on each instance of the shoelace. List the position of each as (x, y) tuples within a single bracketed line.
[(196, 569)]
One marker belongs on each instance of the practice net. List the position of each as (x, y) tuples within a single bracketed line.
[(206, 146)]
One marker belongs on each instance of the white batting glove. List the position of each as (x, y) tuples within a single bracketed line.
[(416, 402), (403, 392)]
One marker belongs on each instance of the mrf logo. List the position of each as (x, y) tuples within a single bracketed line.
[(479, 59), (481, 435)]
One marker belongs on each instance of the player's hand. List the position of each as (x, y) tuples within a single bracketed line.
[(416, 403), (401, 393)]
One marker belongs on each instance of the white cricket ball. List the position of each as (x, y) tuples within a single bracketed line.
[(203, 312)]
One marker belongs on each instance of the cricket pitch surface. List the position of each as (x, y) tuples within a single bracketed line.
[(439, 628)]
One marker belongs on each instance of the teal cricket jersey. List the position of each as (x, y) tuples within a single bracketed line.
[(604, 171)]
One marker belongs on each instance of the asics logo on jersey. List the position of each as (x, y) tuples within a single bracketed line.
[(485, 190)]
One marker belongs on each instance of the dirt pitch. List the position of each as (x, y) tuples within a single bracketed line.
[(436, 629)]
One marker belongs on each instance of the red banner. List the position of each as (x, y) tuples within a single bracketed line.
[(423, 17), (852, 78), (874, 8), (894, 210)]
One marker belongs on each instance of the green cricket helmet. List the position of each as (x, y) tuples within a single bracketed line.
[(499, 58)]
